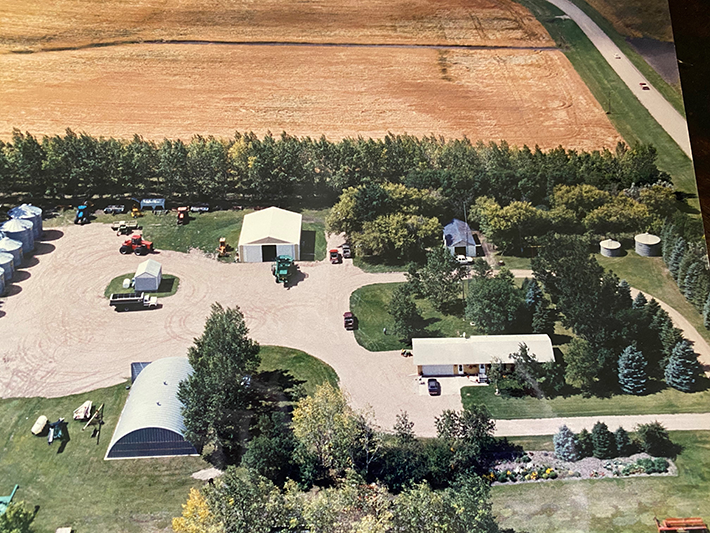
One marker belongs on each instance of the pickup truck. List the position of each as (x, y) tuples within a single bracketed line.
[(114, 209), (133, 300)]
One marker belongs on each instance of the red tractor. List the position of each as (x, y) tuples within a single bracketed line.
[(137, 245), (183, 217)]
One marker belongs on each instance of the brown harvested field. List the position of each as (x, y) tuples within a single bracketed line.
[(523, 96), (36, 25), (637, 18)]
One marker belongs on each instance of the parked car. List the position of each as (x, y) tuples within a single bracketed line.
[(347, 252), (200, 208), (434, 387), (349, 321), (114, 209), (464, 260), (335, 256)]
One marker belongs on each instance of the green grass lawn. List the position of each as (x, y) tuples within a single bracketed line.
[(513, 262), (369, 304), (629, 117), (650, 275), (667, 401), (168, 286), (303, 367), (374, 265), (314, 221), (612, 505), (77, 487)]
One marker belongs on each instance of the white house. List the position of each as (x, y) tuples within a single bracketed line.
[(473, 356), (269, 233), (148, 276), (459, 239)]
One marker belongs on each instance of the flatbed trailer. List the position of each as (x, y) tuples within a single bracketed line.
[(131, 301), (682, 525)]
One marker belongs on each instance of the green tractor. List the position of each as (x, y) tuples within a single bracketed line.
[(283, 269)]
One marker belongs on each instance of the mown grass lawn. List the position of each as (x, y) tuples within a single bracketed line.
[(168, 286), (666, 401), (650, 275), (629, 117), (302, 367), (612, 505), (369, 304)]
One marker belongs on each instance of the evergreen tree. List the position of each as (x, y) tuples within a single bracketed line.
[(565, 444), (690, 281), (679, 250), (603, 441), (654, 439), (585, 446), (632, 371), (686, 262), (706, 313), (623, 442), (543, 319), (624, 295), (534, 295), (683, 368), (639, 301), (669, 236)]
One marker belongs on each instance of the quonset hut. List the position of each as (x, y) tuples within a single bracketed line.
[(31, 213), (610, 248), (20, 230), (648, 245), (151, 423), (13, 247), (7, 265)]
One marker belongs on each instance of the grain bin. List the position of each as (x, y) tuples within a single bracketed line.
[(31, 213), (2, 282), (20, 230), (610, 248), (12, 247), (7, 265), (648, 245)]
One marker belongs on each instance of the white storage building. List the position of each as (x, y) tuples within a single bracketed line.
[(270, 233), (458, 238), (148, 276)]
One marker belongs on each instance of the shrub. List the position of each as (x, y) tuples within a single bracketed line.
[(654, 440), (566, 446), (603, 441)]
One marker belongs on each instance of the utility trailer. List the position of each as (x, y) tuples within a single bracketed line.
[(131, 301), (682, 525)]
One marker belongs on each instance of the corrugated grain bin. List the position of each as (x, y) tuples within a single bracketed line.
[(31, 213), (610, 248), (2, 282), (648, 245), (20, 230), (7, 265), (13, 247)]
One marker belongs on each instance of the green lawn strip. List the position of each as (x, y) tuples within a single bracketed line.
[(611, 505), (667, 401), (369, 304), (303, 367), (168, 286), (630, 118), (77, 487), (373, 265), (314, 220), (513, 262), (541, 443), (650, 275), (667, 91)]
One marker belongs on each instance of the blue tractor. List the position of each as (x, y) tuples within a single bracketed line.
[(82, 214)]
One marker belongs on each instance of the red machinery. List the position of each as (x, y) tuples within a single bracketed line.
[(682, 525), (183, 216), (137, 245)]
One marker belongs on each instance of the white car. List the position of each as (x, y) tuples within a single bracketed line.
[(464, 260)]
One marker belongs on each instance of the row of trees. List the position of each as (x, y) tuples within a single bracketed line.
[(282, 168)]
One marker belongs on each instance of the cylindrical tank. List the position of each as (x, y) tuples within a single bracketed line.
[(31, 213), (12, 247), (20, 230), (648, 245), (7, 265), (610, 248), (2, 282)]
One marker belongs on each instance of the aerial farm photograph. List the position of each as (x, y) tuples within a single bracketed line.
[(349, 266)]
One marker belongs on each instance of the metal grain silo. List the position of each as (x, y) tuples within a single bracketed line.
[(610, 248), (648, 245), (20, 230), (13, 247), (2, 282), (7, 265), (31, 213)]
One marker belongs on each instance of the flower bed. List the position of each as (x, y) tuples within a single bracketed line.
[(544, 466)]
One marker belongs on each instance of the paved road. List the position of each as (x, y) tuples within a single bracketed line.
[(549, 426), (664, 113)]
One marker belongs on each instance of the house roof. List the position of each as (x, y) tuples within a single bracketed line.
[(479, 349), (457, 231), (271, 226), (153, 402), (149, 268)]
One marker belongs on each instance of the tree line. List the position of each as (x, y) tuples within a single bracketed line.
[(284, 169)]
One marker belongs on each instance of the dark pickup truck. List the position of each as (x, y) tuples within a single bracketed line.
[(133, 300)]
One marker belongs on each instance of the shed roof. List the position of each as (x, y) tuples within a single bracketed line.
[(149, 268), (153, 402), (458, 231), (480, 349), (271, 226)]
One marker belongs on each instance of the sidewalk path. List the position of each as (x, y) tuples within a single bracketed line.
[(664, 113)]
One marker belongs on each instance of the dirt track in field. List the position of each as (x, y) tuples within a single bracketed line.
[(61, 337), (157, 91)]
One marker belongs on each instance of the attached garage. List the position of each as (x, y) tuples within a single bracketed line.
[(437, 370), (151, 423), (269, 233)]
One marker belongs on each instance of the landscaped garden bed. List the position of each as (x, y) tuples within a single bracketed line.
[(544, 466)]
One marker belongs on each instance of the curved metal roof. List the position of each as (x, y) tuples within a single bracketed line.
[(15, 225), (271, 226), (152, 402), (6, 243), (28, 209)]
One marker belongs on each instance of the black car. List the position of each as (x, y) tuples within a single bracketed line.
[(434, 387)]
